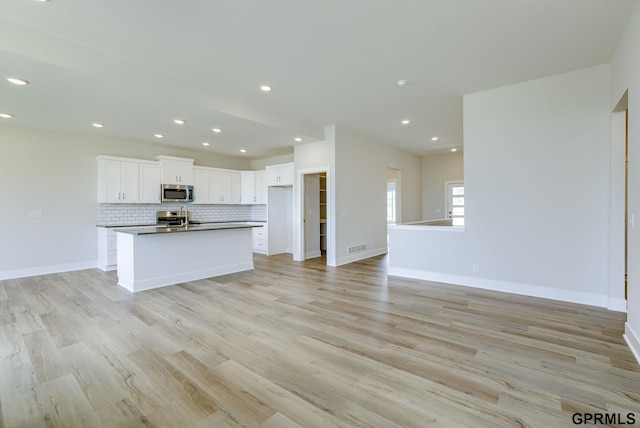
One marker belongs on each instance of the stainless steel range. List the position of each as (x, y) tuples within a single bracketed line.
[(172, 218)]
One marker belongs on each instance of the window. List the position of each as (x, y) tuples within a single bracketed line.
[(455, 202), (391, 202)]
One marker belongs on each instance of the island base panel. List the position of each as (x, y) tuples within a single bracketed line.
[(158, 260)]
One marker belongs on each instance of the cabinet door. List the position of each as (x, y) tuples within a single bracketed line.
[(176, 172), (261, 187), (169, 173), (280, 175), (201, 186), (220, 186), (149, 185), (235, 188), (273, 177), (129, 182), (109, 177), (185, 172), (286, 175), (248, 192)]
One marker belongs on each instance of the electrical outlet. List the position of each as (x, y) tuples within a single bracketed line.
[(476, 267)]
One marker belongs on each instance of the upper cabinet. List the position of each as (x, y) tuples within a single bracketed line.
[(262, 191), (280, 175), (225, 187), (254, 187), (128, 181), (176, 170), (216, 186), (248, 186), (201, 185), (149, 182)]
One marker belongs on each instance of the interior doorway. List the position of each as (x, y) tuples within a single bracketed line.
[(315, 215), (394, 215), (313, 231), (620, 220), (626, 200), (393, 196)]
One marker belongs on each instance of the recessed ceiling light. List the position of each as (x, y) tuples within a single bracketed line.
[(454, 150), (42, 1), (158, 135), (206, 144), (266, 88), (179, 121), (402, 83), (217, 130), (243, 151), (6, 115), (97, 125), (298, 139), (16, 81), (434, 138), (406, 122)]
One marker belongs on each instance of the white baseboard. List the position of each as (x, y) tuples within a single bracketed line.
[(633, 340), (312, 254), (591, 299), (360, 256), (45, 270), (617, 304), (149, 284)]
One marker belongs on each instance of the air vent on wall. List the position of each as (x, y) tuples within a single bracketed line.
[(356, 249)]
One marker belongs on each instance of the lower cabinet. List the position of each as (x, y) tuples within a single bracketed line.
[(107, 248), (261, 239)]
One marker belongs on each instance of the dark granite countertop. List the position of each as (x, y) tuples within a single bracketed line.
[(112, 226), (152, 230)]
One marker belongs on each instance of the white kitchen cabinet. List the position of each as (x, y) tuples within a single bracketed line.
[(216, 186), (176, 170), (201, 185), (149, 183), (261, 239), (220, 186), (225, 186), (236, 188), (280, 175), (248, 186), (128, 181), (107, 248), (254, 187), (117, 180), (262, 191)]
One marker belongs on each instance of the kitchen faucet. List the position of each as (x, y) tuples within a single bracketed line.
[(186, 216)]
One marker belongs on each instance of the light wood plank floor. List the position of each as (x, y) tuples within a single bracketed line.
[(299, 344)]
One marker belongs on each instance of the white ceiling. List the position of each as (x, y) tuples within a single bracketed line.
[(137, 65)]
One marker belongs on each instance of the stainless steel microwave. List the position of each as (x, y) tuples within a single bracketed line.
[(177, 193)]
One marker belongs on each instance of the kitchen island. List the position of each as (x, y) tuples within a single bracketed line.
[(151, 257)]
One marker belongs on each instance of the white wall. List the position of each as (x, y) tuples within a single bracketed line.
[(258, 164), (436, 170), (57, 174), (536, 170), (361, 183), (625, 69)]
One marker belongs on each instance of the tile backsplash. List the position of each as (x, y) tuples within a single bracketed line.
[(135, 214)]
